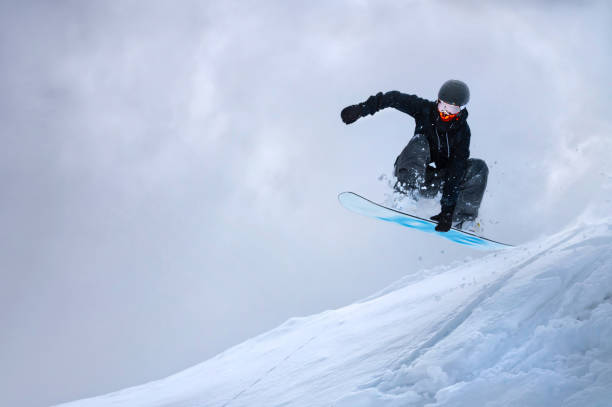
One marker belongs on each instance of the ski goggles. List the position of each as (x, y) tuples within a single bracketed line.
[(447, 111)]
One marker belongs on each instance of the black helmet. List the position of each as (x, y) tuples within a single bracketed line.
[(454, 92)]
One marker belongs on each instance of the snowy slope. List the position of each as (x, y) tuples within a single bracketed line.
[(530, 326)]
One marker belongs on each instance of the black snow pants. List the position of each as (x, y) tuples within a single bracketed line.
[(413, 173)]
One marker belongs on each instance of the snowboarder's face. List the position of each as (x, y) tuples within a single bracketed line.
[(447, 111)]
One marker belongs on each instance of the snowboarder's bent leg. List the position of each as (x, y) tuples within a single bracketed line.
[(471, 190), (410, 165)]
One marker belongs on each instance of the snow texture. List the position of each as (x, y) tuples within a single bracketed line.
[(528, 326)]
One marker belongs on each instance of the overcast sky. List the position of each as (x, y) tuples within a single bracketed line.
[(169, 170)]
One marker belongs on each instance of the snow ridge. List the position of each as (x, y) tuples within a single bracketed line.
[(529, 326)]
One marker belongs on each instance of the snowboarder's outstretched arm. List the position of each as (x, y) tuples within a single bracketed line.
[(409, 104)]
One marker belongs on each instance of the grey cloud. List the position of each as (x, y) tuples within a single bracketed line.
[(169, 171)]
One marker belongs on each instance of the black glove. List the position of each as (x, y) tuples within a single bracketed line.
[(372, 105), (444, 219), (351, 113)]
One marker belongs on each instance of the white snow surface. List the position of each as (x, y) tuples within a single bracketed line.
[(529, 326)]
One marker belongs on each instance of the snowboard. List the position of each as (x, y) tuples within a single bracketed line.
[(361, 205)]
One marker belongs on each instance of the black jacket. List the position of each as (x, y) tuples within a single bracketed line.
[(449, 142)]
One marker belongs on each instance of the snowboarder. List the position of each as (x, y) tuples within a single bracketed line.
[(437, 157)]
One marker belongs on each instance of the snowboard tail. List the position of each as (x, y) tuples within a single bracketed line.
[(364, 206)]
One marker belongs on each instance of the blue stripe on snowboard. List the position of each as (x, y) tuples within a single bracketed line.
[(361, 205)]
